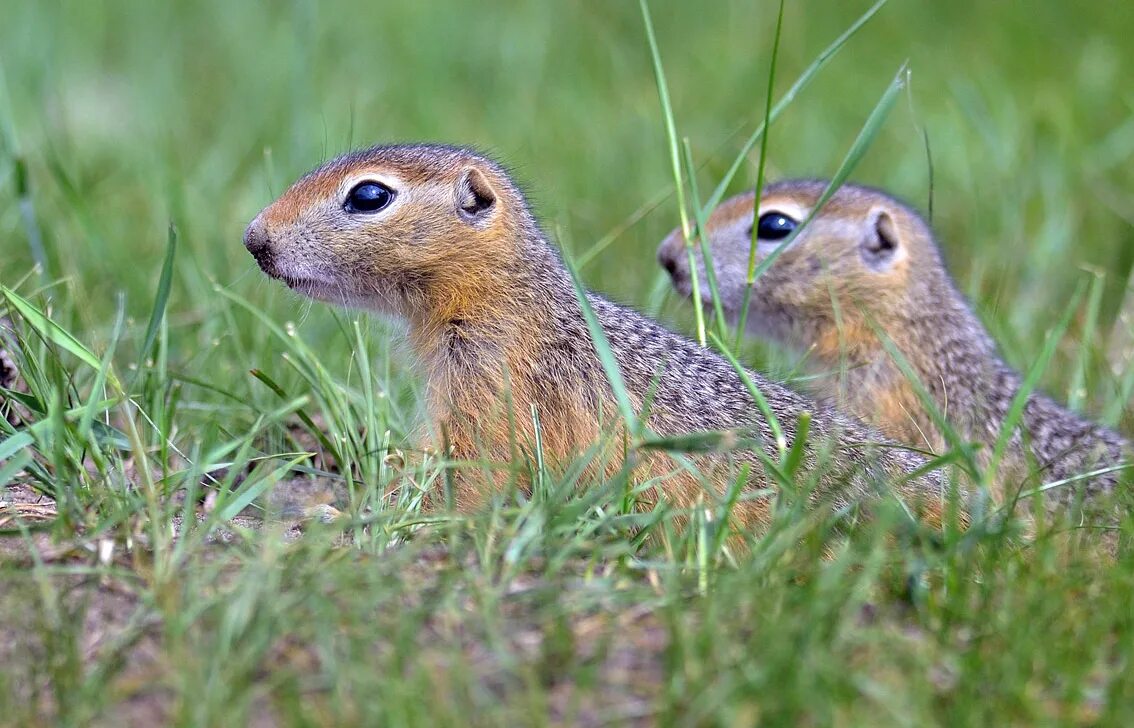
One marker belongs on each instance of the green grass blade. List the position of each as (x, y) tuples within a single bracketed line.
[(300, 413), (104, 373), (1031, 380), (1090, 474), (804, 79), (28, 216), (24, 198), (9, 469), (923, 132), (699, 223), (742, 321), (540, 466), (691, 442), (51, 331), (794, 457), (1078, 388), (757, 396), (161, 299), (861, 143), (14, 444), (250, 491), (606, 356), (675, 162)]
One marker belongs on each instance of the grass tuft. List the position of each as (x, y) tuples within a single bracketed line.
[(211, 491)]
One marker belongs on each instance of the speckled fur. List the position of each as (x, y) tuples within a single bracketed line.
[(915, 302), (496, 323)]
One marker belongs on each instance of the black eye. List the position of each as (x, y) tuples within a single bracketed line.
[(369, 197), (774, 226)]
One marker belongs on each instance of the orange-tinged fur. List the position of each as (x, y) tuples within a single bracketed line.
[(851, 338), (866, 276), (485, 419), (495, 322), (826, 300)]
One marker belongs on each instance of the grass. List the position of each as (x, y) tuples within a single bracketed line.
[(149, 570)]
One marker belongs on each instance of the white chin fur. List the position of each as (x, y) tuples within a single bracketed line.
[(321, 291)]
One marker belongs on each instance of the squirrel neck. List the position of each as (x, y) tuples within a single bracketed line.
[(949, 350), (958, 365), (516, 352), (481, 332)]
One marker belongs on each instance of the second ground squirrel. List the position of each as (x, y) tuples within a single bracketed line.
[(442, 238), (867, 263)]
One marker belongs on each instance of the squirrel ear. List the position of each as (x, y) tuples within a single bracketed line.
[(475, 196), (880, 245)]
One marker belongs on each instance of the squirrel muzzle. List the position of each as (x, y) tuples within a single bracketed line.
[(259, 244)]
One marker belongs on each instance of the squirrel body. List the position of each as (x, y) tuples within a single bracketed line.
[(866, 263), (495, 320)]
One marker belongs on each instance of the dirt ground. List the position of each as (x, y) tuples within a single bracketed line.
[(120, 628)]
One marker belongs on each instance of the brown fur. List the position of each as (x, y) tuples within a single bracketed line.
[(836, 285), (495, 321)]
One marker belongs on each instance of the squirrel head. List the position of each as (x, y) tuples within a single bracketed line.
[(849, 263), (412, 230)]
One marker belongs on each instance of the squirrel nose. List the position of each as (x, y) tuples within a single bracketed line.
[(256, 236), (259, 244), (668, 260)]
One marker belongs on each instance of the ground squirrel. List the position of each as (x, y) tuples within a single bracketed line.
[(867, 262), (442, 238)]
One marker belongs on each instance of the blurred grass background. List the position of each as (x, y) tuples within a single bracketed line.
[(127, 116), (131, 115)]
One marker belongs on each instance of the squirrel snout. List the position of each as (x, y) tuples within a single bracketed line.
[(259, 244), (669, 260)]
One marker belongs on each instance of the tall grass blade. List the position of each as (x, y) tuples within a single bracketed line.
[(675, 162), (699, 223), (50, 330), (161, 299), (750, 278), (606, 356), (801, 83), (1031, 380), (1078, 388), (301, 413), (104, 372), (9, 469), (861, 143), (757, 396)]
